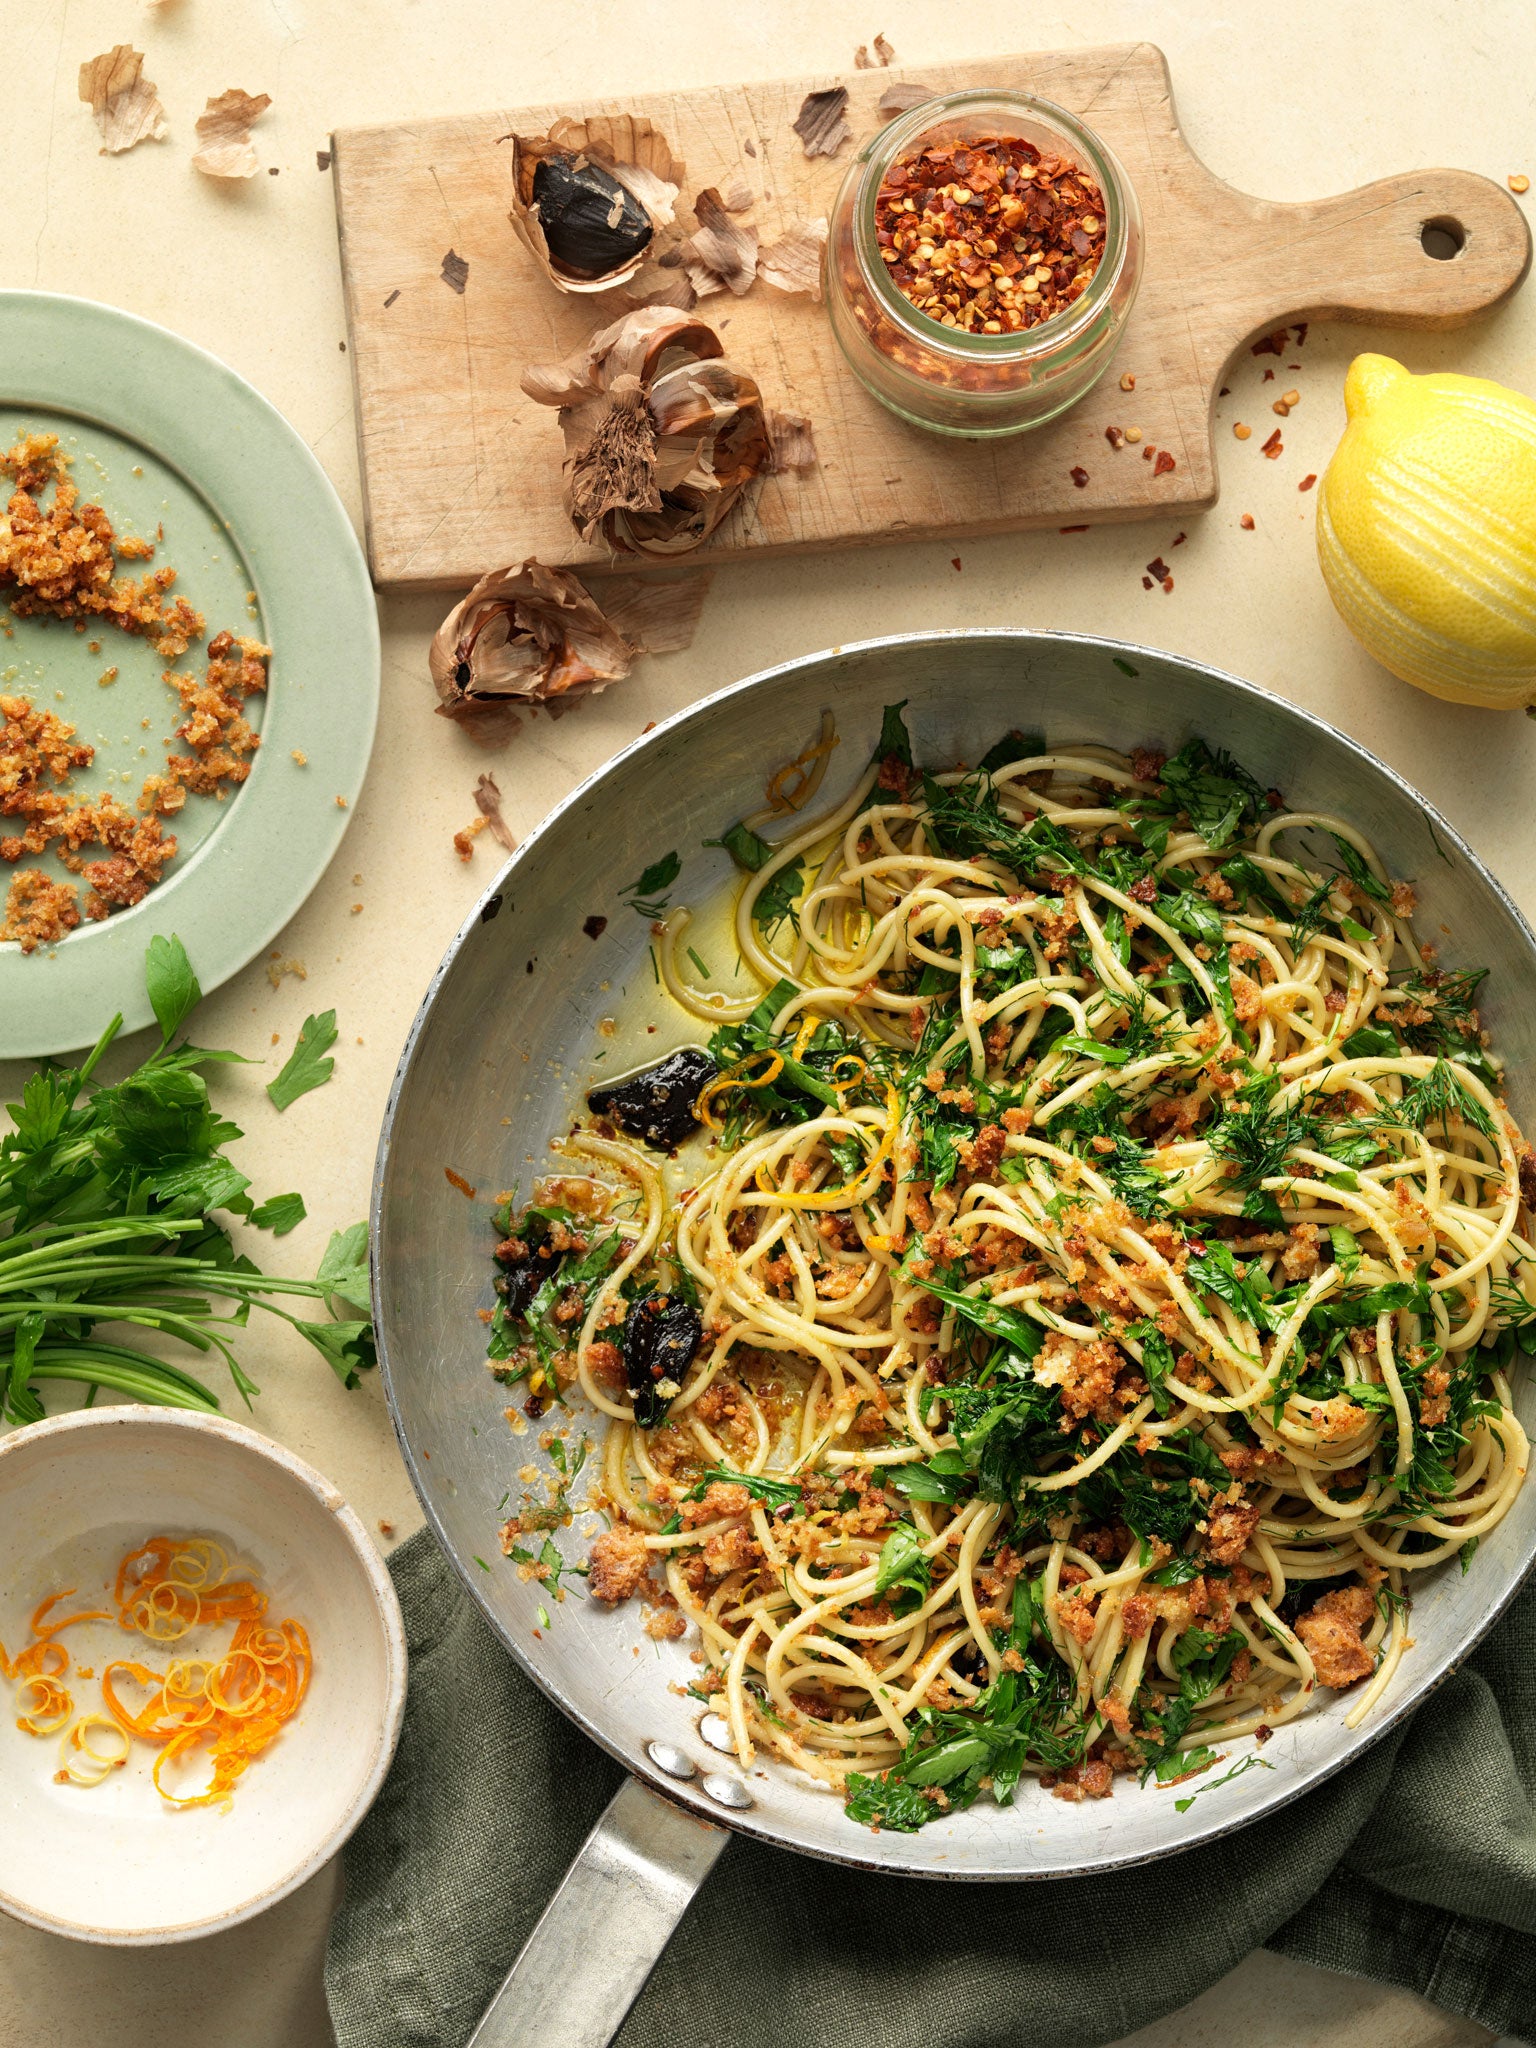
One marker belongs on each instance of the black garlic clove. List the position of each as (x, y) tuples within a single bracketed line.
[(658, 1103), (660, 1337), (591, 224), (526, 1259)]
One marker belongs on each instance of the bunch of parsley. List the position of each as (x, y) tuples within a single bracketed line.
[(107, 1194)]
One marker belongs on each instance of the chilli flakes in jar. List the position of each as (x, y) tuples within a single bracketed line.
[(991, 236)]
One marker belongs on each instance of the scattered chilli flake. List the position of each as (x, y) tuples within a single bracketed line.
[(1127, 380), (1115, 436), (1179, 539), (1307, 482), (1274, 446), (1079, 476), (1240, 431), (954, 563), (1272, 344), (458, 1181), (1246, 522), (1164, 463), (1072, 529), (455, 272)]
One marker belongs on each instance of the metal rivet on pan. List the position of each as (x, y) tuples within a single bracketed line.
[(671, 1760), (716, 1731), (729, 1791)]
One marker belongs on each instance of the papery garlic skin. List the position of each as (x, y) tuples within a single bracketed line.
[(522, 637), (662, 434)]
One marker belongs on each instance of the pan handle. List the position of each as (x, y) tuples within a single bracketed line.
[(603, 1932)]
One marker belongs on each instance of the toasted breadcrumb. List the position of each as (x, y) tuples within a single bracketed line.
[(61, 562), (39, 910), (464, 842), (1332, 1631), (620, 1563)]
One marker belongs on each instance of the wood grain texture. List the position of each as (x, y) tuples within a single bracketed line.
[(461, 471)]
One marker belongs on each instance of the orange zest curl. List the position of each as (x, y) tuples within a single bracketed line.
[(224, 1709), (796, 782), (739, 1076), (42, 1626), (43, 1706)]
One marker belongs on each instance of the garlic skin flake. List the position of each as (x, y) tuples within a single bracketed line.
[(722, 254), (627, 152), (822, 122), (793, 263), (125, 104), (225, 148)]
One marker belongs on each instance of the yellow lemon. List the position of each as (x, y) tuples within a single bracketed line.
[(1426, 531)]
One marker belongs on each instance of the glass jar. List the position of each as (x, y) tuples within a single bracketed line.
[(950, 379)]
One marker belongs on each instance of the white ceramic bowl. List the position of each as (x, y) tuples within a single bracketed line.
[(114, 1863)]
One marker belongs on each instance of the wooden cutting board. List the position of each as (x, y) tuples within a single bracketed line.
[(461, 472)]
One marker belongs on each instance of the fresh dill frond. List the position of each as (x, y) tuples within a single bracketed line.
[(1437, 1097), (1307, 919), (966, 821), (1364, 877), (1510, 1304), (1139, 1184), (1258, 1140)]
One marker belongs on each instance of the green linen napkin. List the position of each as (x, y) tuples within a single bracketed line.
[(1417, 1866)]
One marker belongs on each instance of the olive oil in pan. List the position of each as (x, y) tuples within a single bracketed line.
[(644, 1023)]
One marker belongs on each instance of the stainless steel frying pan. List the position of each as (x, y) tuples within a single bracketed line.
[(483, 1085)]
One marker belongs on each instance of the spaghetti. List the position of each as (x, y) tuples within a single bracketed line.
[(1108, 1267)]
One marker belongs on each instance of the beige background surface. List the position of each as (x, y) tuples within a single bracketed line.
[(1289, 103)]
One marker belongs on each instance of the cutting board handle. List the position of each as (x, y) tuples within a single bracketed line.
[(1425, 249)]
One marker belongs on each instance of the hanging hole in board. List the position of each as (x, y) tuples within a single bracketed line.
[(1442, 238)]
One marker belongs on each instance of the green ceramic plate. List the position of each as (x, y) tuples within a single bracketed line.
[(163, 435)]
